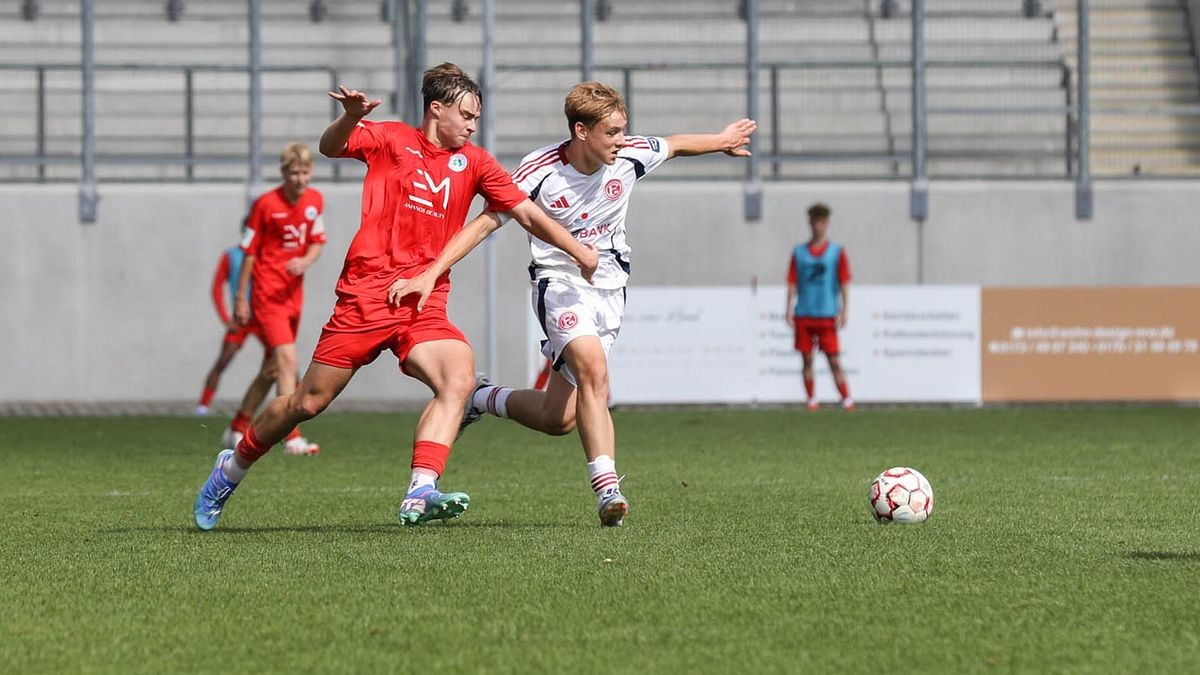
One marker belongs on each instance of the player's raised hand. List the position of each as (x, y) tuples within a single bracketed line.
[(422, 285), (736, 137), (355, 102)]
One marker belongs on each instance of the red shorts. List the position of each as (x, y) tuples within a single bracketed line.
[(238, 337), (821, 331), (277, 325), (361, 329)]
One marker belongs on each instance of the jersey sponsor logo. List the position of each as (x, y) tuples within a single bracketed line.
[(653, 143), (310, 212), (594, 231), (293, 235), (560, 203), (613, 189), (442, 188), (567, 321), (458, 162)]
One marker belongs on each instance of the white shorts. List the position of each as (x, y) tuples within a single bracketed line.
[(566, 311)]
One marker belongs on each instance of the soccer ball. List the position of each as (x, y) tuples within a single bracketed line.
[(902, 495)]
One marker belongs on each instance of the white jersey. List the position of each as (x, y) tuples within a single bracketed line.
[(592, 208)]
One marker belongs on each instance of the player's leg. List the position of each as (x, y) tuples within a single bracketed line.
[(839, 379), (804, 345), (255, 394), (229, 349), (588, 363), (280, 326), (550, 411), (829, 345), (321, 384), (447, 367)]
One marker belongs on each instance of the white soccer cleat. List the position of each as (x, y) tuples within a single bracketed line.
[(201, 411), (230, 439), (300, 446)]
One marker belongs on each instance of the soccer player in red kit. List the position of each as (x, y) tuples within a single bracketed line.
[(285, 234), (818, 276), (224, 282), (419, 184)]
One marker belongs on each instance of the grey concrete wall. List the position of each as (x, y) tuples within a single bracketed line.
[(120, 311)]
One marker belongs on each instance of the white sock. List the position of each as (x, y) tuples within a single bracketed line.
[(602, 471), (422, 477), (492, 399), (234, 473)]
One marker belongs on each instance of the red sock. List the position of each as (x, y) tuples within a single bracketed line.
[(543, 377), (843, 389), (207, 396), (294, 433), (250, 449), (430, 455), (809, 386), (240, 423)]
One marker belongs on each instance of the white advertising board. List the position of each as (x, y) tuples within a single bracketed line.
[(733, 345)]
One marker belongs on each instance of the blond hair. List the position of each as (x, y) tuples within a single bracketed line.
[(591, 102), (295, 153)]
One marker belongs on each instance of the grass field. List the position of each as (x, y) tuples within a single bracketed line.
[(1064, 541)]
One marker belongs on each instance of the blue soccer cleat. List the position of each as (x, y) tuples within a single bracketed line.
[(214, 494), (612, 507), (426, 503)]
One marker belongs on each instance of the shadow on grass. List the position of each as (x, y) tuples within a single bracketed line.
[(1174, 556), (336, 529)]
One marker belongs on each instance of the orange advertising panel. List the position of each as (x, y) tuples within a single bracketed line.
[(1091, 344)]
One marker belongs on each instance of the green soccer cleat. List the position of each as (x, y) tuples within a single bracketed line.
[(426, 503)]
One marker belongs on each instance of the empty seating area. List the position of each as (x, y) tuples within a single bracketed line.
[(834, 88)]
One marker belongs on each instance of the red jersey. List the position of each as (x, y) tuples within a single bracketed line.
[(276, 232), (415, 198)]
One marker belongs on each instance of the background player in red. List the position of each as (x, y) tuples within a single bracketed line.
[(818, 275), (224, 282), (419, 185), (285, 234)]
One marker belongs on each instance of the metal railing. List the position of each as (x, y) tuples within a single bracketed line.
[(776, 157), (189, 159)]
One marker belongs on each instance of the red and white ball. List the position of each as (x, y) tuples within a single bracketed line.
[(901, 495)]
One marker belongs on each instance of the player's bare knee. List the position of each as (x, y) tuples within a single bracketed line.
[(308, 405), (459, 386)]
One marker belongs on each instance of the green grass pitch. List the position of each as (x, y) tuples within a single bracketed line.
[(1064, 541)]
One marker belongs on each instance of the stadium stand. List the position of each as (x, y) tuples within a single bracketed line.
[(1143, 78), (998, 81)]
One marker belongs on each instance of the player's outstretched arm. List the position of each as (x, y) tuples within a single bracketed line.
[(462, 243), (355, 106), (731, 141), (241, 306), (542, 226)]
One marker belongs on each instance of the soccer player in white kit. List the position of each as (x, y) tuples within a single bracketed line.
[(584, 183)]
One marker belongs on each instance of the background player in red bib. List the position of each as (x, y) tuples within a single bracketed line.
[(818, 275), (224, 282), (285, 234), (418, 188)]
